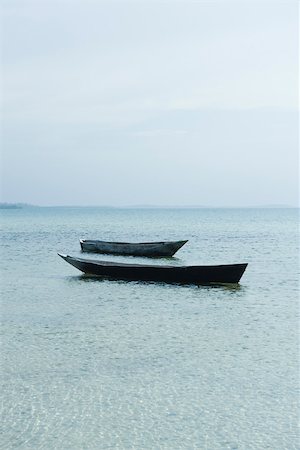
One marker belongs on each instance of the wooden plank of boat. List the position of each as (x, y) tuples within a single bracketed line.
[(229, 273), (151, 249)]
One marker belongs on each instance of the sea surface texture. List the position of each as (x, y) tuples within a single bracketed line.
[(98, 364)]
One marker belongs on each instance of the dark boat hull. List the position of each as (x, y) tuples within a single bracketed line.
[(229, 273), (150, 249)]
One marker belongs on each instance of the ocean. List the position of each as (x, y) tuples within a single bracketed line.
[(98, 364)]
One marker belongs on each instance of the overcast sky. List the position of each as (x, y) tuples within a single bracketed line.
[(150, 102)]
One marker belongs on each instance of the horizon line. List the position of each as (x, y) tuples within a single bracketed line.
[(145, 206)]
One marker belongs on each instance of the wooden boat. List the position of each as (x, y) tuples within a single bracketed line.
[(151, 249), (230, 273)]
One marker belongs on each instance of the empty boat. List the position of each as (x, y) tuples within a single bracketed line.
[(229, 273), (151, 249)]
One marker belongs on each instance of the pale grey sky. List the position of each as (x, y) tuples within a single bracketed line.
[(150, 102)]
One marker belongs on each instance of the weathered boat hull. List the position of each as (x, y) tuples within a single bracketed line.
[(230, 273), (151, 249)]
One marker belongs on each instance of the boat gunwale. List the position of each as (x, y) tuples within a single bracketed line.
[(133, 243), (150, 266)]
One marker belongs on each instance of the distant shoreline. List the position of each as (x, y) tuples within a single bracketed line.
[(10, 206)]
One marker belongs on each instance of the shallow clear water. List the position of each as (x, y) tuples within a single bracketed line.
[(96, 364)]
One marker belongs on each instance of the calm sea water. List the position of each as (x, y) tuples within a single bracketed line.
[(94, 364)]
